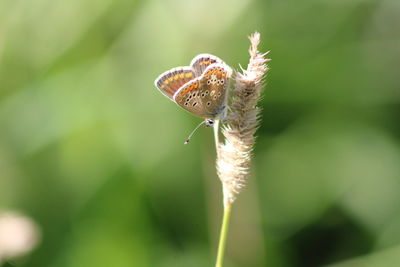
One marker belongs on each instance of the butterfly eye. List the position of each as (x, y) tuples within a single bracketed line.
[(209, 123)]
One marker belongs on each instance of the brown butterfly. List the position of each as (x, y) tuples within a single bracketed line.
[(200, 88)]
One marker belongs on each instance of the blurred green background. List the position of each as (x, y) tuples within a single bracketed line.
[(92, 152)]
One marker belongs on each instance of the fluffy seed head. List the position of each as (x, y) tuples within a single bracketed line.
[(241, 123)]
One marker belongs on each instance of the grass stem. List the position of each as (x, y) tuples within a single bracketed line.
[(223, 234)]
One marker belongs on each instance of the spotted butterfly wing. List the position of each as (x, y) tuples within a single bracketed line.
[(170, 81), (202, 61), (205, 96)]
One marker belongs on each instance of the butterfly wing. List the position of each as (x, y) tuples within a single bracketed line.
[(170, 81), (202, 61), (205, 96)]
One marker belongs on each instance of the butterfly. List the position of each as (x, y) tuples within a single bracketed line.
[(200, 88)]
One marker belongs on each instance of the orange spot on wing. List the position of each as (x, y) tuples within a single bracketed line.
[(170, 79), (176, 77), (182, 75), (166, 82), (196, 85), (210, 72), (189, 74), (185, 91)]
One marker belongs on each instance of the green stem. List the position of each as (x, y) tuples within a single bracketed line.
[(216, 137), (223, 234)]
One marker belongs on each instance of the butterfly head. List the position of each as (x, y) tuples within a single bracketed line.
[(209, 122)]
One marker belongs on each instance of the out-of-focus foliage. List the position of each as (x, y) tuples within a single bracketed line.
[(93, 153)]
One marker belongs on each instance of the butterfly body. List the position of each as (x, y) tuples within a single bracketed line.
[(200, 88)]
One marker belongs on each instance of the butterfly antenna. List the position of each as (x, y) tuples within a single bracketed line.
[(190, 135)]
